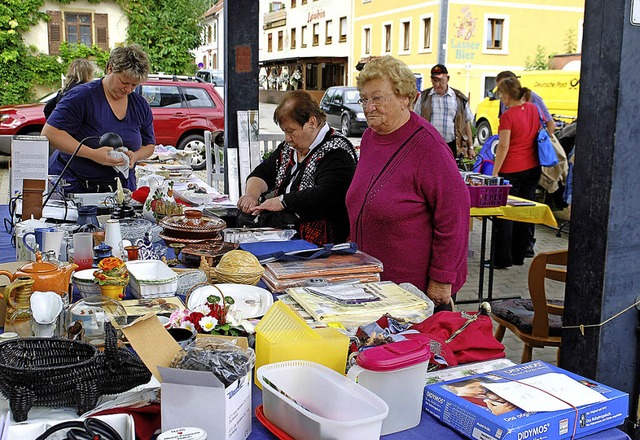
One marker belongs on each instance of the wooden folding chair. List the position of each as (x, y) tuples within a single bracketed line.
[(536, 321)]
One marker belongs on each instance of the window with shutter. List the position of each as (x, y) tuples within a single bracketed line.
[(102, 31), (55, 31)]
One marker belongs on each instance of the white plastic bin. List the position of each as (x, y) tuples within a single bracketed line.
[(338, 408)]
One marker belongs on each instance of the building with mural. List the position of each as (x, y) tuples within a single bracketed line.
[(475, 39)]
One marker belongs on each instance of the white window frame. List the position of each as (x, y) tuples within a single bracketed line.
[(422, 49), (342, 38), (383, 45), (303, 37), (366, 41), (328, 32), (401, 33), (315, 34), (505, 34)]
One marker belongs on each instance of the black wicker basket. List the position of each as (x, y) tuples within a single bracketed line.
[(60, 372)]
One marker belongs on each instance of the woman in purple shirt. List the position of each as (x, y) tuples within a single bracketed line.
[(98, 107), (408, 205)]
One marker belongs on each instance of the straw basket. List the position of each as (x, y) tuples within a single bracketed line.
[(239, 267)]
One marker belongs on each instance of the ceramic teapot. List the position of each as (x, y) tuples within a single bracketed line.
[(47, 276)]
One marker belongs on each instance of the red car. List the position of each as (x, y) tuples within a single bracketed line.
[(182, 111)]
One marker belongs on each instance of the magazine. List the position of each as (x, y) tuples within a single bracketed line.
[(390, 299)]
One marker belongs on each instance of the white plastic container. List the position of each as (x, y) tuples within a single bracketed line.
[(334, 407), (151, 279), (396, 373)]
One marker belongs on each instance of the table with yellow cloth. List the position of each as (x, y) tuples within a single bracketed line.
[(517, 209)]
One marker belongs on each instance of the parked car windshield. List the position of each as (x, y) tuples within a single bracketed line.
[(212, 76), (351, 96)]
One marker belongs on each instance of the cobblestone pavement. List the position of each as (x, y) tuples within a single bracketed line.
[(512, 282)]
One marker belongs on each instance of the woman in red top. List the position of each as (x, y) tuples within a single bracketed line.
[(517, 161)]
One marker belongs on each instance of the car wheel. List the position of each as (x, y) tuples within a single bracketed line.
[(345, 126), (195, 142), (484, 131)]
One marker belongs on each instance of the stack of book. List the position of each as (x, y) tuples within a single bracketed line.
[(357, 267)]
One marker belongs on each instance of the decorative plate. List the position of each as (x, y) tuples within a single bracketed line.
[(194, 226), (250, 301), (169, 239)]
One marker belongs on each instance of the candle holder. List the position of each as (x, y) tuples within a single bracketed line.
[(132, 252), (177, 248)]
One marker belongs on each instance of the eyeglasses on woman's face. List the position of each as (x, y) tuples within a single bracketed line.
[(374, 100)]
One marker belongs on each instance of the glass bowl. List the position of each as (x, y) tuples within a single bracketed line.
[(92, 313)]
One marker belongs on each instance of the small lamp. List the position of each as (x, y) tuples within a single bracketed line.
[(106, 140)]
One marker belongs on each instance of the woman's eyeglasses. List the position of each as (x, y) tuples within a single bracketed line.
[(375, 101)]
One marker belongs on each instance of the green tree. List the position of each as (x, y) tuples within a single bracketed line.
[(20, 66), (570, 44), (168, 30), (540, 60)]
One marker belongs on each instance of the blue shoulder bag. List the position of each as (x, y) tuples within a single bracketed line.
[(546, 153)]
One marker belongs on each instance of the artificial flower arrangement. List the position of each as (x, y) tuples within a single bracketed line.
[(111, 272), (212, 317)]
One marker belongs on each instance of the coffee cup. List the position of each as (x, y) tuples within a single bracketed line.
[(38, 234)]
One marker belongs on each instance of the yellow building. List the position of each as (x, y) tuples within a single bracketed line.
[(475, 39)]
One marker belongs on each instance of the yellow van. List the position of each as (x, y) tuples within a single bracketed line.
[(558, 88)]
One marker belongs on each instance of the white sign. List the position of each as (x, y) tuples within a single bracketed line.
[(29, 160), (635, 12)]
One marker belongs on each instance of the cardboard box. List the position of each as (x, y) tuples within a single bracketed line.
[(192, 398), (471, 417), (198, 398)]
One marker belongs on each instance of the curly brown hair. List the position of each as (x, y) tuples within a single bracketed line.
[(402, 79)]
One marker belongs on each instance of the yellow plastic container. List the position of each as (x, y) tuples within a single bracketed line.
[(281, 335)]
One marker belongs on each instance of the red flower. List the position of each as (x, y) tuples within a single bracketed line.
[(194, 318)]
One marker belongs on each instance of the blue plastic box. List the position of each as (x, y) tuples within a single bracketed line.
[(470, 418)]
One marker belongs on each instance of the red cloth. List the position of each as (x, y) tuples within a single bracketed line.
[(146, 418), (141, 194), (475, 343), (523, 122)]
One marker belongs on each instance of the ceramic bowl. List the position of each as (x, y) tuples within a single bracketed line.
[(83, 281)]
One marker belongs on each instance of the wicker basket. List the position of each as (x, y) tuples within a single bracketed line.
[(239, 267), (239, 277), (61, 372)]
